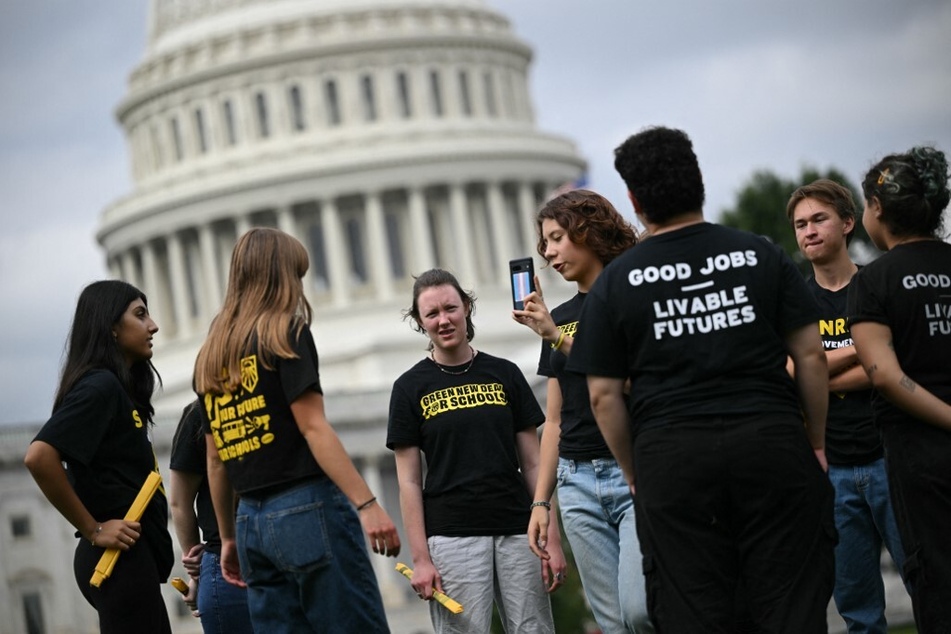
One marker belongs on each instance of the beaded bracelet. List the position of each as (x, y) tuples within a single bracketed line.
[(95, 535), (547, 505)]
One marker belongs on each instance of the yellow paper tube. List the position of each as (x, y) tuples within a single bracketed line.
[(108, 560), (446, 602)]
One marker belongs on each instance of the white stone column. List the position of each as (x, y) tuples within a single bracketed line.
[(462, 230), (115, 268), (526, 214), (242, 223), (423, 256), (337, 264), (287, 223), (126, 267), (505, 247), (379, 247), (211, 295), (153, 289), (176, 270)]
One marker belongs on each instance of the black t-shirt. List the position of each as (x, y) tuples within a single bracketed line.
[(254, 429), (105, 444), (465, 425), (696, 317), (189, 455), (851, 435), (580, 437), (909, 290)]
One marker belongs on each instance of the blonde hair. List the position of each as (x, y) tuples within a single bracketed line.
[(264, 301)]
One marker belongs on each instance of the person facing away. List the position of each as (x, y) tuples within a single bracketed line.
[(822, 215), (474, 417), (580, 232), (296, 541), (221, 606), (899, 310), (726, 452), (93, 455)]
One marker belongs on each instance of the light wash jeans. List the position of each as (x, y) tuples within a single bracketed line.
[(597, 512), (864, 520), (304, 558), (477, 571), (223, 607)]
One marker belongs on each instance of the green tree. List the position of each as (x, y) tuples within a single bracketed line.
[(761, 208)]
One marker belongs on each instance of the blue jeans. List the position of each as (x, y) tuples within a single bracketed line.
[(597, 511), (304, 558), (223, 607), (864, 520)]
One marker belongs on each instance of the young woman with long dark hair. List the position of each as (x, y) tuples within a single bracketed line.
[(100, 430)]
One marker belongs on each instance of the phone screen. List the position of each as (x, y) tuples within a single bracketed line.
[(523, 283)]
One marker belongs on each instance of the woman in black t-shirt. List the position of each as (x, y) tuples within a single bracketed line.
[(900, 316), (474, 417), (579, 233), (296, 542), (100, 430)]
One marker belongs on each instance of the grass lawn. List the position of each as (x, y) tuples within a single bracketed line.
[(908, 629)]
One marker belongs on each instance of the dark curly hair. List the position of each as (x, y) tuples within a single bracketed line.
[(439, 277), (660, 169), (591, 221), (912, 189)]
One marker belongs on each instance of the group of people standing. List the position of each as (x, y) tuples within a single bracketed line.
[(685, 429)]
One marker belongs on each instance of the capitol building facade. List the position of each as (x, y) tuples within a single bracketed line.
[(389, 137)]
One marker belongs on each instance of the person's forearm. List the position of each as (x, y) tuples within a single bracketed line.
[(911, 397), (222, 496), (181, 502), (44, 464), (813, 385), (548, 461), (610, 412), (414, 522), (850, 380), (841, 359), (333, 459)]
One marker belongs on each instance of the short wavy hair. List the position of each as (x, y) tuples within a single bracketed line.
[(591, 221), (660, 169), (912, 189), (828, 192)]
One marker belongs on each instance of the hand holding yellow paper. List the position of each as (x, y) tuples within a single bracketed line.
[(445, 601), (108, 560)]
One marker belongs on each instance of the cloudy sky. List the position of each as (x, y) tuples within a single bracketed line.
[(758, 85)]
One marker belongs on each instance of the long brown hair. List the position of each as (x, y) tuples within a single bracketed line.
[(264, 301)]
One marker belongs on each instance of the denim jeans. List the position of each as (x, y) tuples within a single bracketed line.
[(597, 512), (304, 558), (223, 607), (864, 520)]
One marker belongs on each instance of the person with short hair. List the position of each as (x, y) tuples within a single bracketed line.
[(726, 453), (899, 310), (93, 455), (822, 214), (474, 417)]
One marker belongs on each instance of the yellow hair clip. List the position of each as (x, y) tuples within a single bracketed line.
[(882, 176)]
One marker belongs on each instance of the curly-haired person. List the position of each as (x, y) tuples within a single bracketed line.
[(900, 315), (733, 507)]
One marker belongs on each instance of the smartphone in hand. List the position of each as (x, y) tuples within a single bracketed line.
[(522, 275)]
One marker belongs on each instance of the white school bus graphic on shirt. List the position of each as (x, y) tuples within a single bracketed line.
[(462, 397), (239, 425)]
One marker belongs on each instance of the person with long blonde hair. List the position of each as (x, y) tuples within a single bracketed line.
[(296, 540)]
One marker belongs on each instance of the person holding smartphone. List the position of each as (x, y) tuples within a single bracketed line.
[(579, 233), (474, 417)]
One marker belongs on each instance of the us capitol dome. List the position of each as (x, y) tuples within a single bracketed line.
[(389, 137)]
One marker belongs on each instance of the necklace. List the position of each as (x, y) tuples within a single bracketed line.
[(432, 355)]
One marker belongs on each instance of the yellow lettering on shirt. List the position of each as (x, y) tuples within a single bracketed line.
[(462, 397)]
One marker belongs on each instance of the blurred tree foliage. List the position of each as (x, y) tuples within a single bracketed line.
[(761, 208)]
